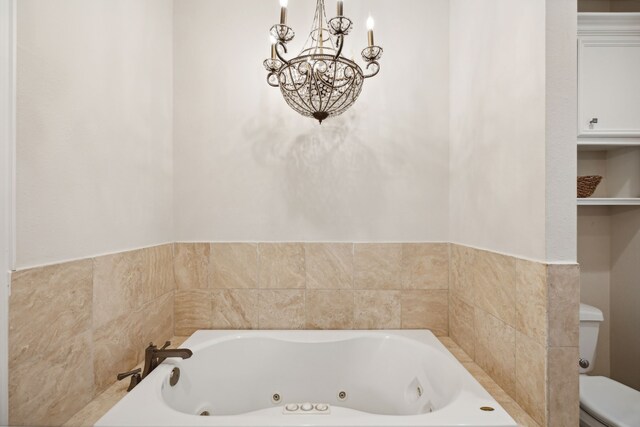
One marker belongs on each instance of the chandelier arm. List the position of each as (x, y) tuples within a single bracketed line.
[(340, 46), (333, 87), (354, 88), (284, 47), (349, 85), (269, 80), (297, 89), (317, 78), (313, 81), (376, 69), (346, 96), (290, 98)]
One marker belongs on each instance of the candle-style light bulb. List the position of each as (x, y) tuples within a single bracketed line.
[(370, 24), (283, 12), (273, 47), (340, 7)]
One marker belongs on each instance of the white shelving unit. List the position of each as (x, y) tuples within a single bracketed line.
[(608, 145), (609, 201)]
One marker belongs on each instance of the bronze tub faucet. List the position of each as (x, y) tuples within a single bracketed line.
[(154, 356)]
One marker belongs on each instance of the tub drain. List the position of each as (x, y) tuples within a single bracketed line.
[(487, 408), (275, 398), (204, 414), (342, 395)]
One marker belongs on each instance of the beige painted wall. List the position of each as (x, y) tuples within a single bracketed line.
[(625, 295), (594, 243), (94, 146), (248, 168), (608, 247), (497, 169), (609, 5)]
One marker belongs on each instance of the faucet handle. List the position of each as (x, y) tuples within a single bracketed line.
[(135, 378), (166, 344), (128, 374)]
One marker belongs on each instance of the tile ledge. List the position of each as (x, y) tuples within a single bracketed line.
[(102, 403), (510, 405)]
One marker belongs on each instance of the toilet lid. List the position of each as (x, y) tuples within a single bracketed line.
[(609, 401)]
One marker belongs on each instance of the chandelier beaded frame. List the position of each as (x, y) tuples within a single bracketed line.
[(320, 82)]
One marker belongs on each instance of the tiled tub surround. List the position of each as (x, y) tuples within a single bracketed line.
[(511, 316), (74, 326), (311, 286), (518, 320)]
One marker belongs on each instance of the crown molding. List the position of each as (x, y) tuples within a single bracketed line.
[(609, 24)]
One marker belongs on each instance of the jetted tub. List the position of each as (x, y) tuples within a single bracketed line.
[(311, 378)]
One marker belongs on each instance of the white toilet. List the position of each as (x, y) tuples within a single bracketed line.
[(603, 401)]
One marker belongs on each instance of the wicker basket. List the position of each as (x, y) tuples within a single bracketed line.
[(587, 185)]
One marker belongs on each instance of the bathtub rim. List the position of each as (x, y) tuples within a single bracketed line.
[(149, 391)]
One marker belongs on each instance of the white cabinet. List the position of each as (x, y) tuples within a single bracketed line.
[(609, 75)]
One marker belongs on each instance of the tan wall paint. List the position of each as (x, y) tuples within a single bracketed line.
[(497, 171), (625, 295), (248, 168), (608, 5), (594, 243), (94, 127)]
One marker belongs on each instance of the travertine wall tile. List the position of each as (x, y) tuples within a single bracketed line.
[(495, 349), (101, 311), (461, 272), (118, 285), (531, 371), (564, 305), (192, 311), (157, 272), (494, 286), (480, 298), (191, 265), (487, 382), (427, 309), (48, 306), (118, 346), (563, 387), (281, 266), (455, 349), (329, 265), (158, 318), (425, 266), (282, 309), (329, 309), (377, 266), (48, 388), (519, 415), (377, 310), (235, 265), (234, 308), (538, 301), (461, 324), (531, 300)]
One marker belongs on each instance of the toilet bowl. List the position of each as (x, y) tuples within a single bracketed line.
[(603, 401)]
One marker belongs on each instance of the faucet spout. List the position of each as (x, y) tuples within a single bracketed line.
[(182, 353), (154, 356)]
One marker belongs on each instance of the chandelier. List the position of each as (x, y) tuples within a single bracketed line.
[(319, 82)]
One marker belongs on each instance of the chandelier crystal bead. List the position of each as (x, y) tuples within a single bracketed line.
[(320, 82)]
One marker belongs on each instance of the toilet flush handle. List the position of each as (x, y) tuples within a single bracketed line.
[(584, 363)]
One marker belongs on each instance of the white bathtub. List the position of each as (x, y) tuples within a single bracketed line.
[(389, 378)]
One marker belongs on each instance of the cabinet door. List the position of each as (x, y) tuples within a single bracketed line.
[(609, 86)]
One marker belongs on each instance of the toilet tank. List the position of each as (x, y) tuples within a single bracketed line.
[(590, 320)]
